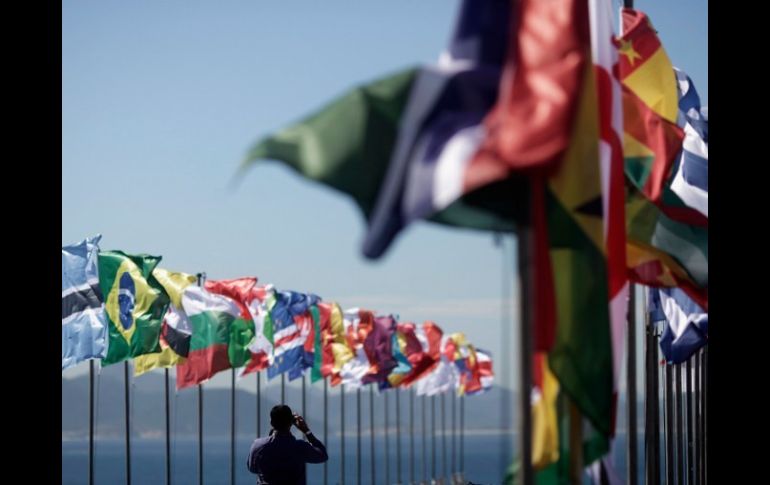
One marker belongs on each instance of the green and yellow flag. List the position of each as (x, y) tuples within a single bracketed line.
[(135, 304)]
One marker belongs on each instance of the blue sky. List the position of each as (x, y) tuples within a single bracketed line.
[(161, 100)]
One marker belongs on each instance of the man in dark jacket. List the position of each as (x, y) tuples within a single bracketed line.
[(280, 458)]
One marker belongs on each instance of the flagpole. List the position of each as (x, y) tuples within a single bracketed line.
[(433, 439), (168, 430), (91, 422), (696, 423), (442, 403), (650, 403), (387, 447), (259, 404), (342, 434), (454, 439), (200, 277), (304, 411), (371, 432), (358, 436), (411, 435), (669, 425), (128, 425), (398, 435), (232, 426), (200, 434), (462, 436), (506, 454), (631, 386), (424, 440), (648, 456), (705, 414), (656, 400), (688, 406), (525, 247), (283, 388), (326, 427), (680, 458)]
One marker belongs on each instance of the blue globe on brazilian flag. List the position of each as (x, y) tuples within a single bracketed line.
[(135, 304)]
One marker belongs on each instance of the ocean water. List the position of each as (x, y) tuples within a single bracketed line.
[(484, 460)]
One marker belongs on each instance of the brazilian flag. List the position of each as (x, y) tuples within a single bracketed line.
[(135, 304)]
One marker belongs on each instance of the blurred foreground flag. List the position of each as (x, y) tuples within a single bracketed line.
[(83, 322)]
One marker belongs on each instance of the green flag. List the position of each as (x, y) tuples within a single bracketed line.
[(135, 304)]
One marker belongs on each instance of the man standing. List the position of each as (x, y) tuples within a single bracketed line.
[(280, 458)]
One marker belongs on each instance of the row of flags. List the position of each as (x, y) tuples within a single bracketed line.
[(536, 114), (117, 306)]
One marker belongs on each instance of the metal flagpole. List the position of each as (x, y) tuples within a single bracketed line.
[(232, 426), (358, 436), (656, 409), (506, 330), (631, 386), (326, 427), (283, 388), (462, 436), (696, 422), (442, 403), (525, 247), (259, 404), (688, 407), (91, 422), (168, 431), (648, 453), (387, 443), (433, 439), (372, 459), (454, 432), (411, 435), (200, 277), (669, 425), (680, 456), (342, 434), (705, 414), (200, 434), (304, 411), (398, 435), (128, 425), (424, 439)]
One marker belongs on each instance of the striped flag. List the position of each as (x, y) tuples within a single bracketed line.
[(686, 323), (691, 176), (83, 320), (212, 318)]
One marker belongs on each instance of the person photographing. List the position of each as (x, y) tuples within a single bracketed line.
[(280, 458)]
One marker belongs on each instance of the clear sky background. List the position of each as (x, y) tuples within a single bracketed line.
[(161, 100)]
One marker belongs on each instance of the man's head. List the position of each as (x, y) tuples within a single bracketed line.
[(281, 417)]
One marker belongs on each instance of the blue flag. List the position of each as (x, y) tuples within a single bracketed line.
[(691, 172), (83, 323), (292, 323), (686, 323)]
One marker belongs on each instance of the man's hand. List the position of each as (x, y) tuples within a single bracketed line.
[(299, 422)]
